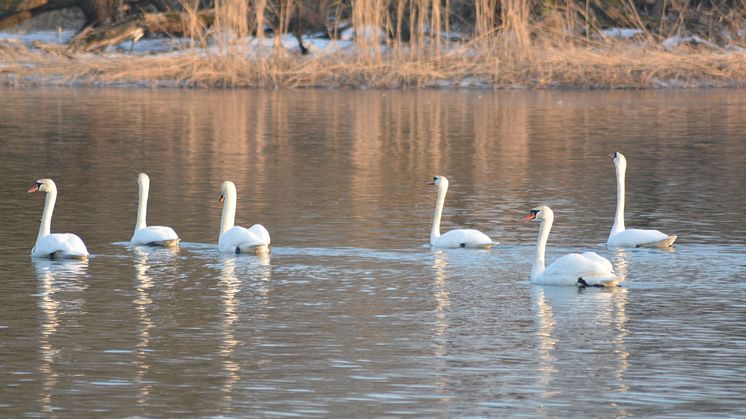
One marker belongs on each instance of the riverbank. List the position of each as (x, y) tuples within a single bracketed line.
[(42, 59)]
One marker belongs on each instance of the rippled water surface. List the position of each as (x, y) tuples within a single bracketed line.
[(352, 314)]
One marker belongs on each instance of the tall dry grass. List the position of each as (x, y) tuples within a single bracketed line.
[(398, 43)]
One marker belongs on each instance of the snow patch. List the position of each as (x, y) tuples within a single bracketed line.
[(620, 33)]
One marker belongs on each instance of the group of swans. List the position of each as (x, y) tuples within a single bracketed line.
[(232, 238), (586, 269)]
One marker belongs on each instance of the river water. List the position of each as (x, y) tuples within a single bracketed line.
[(353, 314)]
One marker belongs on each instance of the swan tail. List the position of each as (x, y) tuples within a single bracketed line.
[(253, 249), (165, 243), (599, 281), (63, 255), (667, 242)]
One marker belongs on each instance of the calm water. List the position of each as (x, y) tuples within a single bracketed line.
[(352, 314)]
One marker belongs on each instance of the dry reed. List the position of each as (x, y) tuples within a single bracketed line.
[(506, 50)]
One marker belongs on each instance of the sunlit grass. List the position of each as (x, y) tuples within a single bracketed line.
[(518, 53)]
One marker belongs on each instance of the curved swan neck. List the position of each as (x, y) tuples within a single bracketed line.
[(142, 207), (541, 245), (46, 217), (439, 202), (619, 215), (229, 209)]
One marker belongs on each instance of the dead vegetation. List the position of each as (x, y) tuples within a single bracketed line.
[(411, 43)]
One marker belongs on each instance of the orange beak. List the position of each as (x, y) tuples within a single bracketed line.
[(611, 156), (221, 199), (33, 188), (529, 217)]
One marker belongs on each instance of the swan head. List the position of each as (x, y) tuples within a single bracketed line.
[(619, 160), (42, 185), (439, 181), (143, 179), (540, 213), (226, 189)]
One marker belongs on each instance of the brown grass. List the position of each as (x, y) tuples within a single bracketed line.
[(517, 53)]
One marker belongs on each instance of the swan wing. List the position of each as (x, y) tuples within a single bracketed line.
[(636, 237), (154, 235), (463, 238), (259, 231), (243, 240), (601, 262), (594, 269), (59, 245)]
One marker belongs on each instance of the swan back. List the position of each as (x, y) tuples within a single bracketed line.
[(60, 246), (569, 269), (254, 240)]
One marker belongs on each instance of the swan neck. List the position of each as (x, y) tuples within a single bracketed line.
[(619, 215), (142, 207), (229, 211), (541, 245), (46, 217), (439, 202)]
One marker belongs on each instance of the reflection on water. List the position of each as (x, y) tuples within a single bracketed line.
[(353, 315), (595, 322), (151, 264), (60, 287), (235, 271), (442, 300)]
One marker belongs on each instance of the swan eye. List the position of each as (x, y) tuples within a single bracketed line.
[(435, 179), (534, 212)]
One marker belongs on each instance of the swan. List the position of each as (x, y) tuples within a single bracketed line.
[(619, 236), (150, 235), (58, 245), (235, 239), (587, 269), (453, 238)]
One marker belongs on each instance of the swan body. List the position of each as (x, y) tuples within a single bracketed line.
[(620, 236), (578, 269), (454, 238), (235, 239), (150, 235), (58, 245)]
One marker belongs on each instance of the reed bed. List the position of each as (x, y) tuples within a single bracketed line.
[(507, 47)]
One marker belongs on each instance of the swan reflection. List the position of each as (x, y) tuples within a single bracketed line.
[(443, 302), (149, 262), (587, 326), (60, 285), (235, 272), (621, 262)]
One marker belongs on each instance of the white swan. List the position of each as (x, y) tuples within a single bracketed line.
[(453, 238), (235, 239), (587, 269), (59, 245), (619, 236), (150, 235)]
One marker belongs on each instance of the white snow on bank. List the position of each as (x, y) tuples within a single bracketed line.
[(621, 33), (677, 40), (161, 44), (27, 38)]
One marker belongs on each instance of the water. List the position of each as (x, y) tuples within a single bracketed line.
[(352, 314)]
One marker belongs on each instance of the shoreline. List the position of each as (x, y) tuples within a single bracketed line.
[(334, 65)]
